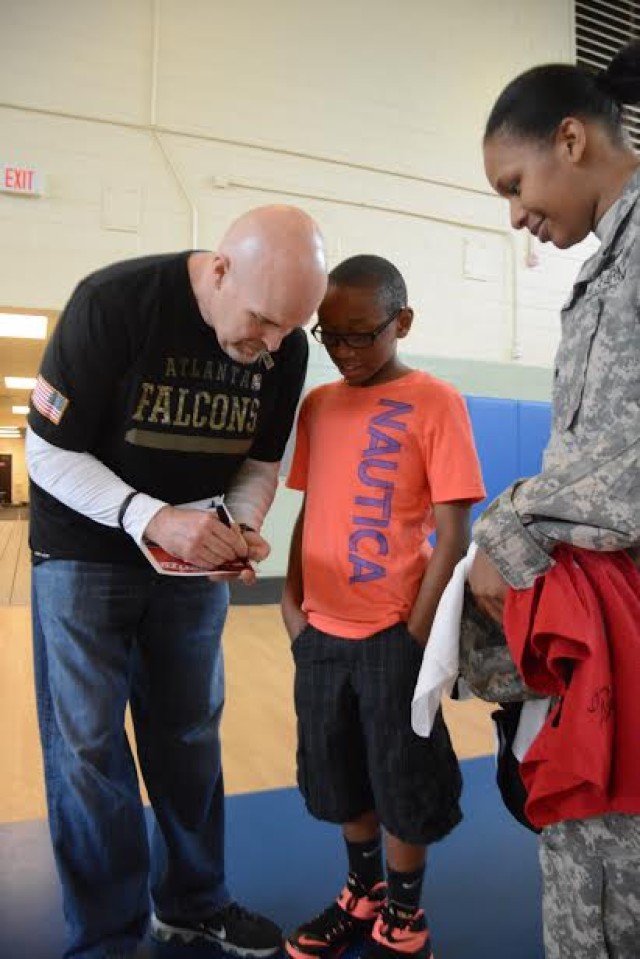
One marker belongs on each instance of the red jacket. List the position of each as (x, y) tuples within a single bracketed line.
[(575, 634)]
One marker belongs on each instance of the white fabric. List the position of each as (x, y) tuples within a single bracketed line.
[(139, 514), (86, 485), (441, 660), (533, 716), (251, 493)]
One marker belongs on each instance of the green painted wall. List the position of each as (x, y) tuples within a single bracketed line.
[(503, 380)]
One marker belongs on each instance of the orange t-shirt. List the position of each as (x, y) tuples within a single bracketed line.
[(372, 461)]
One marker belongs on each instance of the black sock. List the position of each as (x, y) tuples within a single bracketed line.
[(405, 888), (365, 861)]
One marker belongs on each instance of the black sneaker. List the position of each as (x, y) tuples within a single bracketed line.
[(350, 917), (232, 928)]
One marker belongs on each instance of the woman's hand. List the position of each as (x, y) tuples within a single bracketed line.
[(488, 586)]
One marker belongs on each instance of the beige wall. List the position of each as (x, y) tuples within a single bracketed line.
[(157, 121)]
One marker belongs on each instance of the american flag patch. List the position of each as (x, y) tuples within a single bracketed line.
[(48, 401)]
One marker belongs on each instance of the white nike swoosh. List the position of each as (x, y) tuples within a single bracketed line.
[(373, 852), (220, 933)]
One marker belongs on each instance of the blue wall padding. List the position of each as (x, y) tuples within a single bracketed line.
[(510, 436), (534, 426)]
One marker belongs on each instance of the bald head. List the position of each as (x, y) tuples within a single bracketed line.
[(267, 277), (277, 251), (276, 226)]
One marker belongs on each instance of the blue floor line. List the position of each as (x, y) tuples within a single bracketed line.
[(482, 892)]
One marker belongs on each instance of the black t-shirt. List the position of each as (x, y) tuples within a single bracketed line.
[(151, 394)]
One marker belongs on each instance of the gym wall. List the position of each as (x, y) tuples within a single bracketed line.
[(155, 122)]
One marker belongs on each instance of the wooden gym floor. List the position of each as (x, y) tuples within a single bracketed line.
[(259, 725)]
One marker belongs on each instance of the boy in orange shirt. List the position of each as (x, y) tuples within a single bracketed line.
[(385, 456)]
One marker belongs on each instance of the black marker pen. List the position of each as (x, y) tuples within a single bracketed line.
[(222, 513)]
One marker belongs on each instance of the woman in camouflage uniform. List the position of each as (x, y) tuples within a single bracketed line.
[(555, 148)]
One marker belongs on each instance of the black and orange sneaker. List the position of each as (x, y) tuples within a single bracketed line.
[(399, 933), (343, 923)]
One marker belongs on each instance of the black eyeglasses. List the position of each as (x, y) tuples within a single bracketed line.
[(355, 341)]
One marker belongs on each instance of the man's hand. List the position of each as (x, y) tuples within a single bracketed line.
[(258, 549), (488, 586), (197, 536)]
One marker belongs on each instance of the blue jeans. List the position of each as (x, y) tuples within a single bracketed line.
[(105, 634)]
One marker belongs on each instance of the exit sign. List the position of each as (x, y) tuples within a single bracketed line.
[(20, 179)]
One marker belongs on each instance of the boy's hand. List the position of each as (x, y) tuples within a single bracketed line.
[(294, 620), (418, 631), (488, 587)]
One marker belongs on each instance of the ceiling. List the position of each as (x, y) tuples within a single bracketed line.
[(20, 357)]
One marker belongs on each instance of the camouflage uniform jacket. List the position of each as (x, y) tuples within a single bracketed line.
[(588, 492)]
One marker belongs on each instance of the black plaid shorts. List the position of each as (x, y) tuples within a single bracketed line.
[(357, 751)]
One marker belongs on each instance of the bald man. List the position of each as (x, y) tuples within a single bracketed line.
[(169, 380)]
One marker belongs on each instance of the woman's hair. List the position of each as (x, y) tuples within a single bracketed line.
[(535, 103)]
